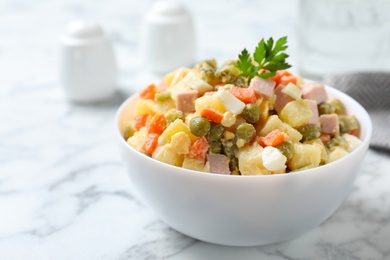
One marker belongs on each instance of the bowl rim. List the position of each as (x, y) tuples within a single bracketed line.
[(365, 143)]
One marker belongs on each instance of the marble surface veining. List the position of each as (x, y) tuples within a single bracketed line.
[(64, 193)]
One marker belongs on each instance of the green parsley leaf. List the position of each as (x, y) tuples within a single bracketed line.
[(268, 55), (244, 63)]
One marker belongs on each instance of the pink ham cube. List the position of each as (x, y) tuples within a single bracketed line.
[(263, 87), (314, 109), (314, 91), (219, 163), (281, 98), (330, 124), (185, 101)]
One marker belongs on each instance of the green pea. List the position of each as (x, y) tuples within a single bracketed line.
[(245, 132), (251, 113), (233, 164), (228, 73), (309, 132), (229, 148), (162, 96), (129, 132), (215, 147), (326, 108), (216, 132), (337, 141), (199, 126), (348, 123), (338, 106), (287, 149), (172, 115), (206, 70)]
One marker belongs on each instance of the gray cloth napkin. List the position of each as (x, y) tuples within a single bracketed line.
[(372, 91)]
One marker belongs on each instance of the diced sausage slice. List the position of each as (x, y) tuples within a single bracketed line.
[(263, 87), (330, 124), (219, 163), (314, 108), (185, 101), (281, 98), (314, 91)]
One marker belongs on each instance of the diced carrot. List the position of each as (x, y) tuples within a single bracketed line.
[(212, 114), (283, 77), (246, 95), (150, 143), (140, 121), (355, 132), (274, 138), (149, 92), (325, 138), (156, 124), (198, 149)]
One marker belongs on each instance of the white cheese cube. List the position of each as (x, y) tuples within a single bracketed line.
[(293, 91), (230, 102), (197, 83), (353, 142), (273, 159)]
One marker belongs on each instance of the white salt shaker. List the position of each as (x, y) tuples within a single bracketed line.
[(167, 40), (87, 66)]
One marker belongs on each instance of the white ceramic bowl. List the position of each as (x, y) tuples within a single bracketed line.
[(244, 210)]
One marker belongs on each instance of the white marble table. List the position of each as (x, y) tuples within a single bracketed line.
[(64, 193)]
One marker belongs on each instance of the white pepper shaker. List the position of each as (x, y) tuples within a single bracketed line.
[(87, 66), (168, 39)]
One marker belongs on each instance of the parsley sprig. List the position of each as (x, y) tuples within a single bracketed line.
[(268, 56)]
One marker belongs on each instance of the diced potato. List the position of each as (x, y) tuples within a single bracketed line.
[(324, 152), (296, 113), (167, 155), (176, 76), (178, 88), (250, 160), (293, 91), (208, 101), (273, 159), (336, 153), (305, 156), (138, 139), (144, 106), (271, 124), (177, 126), (293, 134), (353, 142), (165, 106), (264, 108), (274, 122), (193, 164), (194, 82), (180, 143)]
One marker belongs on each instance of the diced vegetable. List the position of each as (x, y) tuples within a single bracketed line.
[(273, 138), (156, 124), (212, 114), (246, 95), (180, 143), (305, 156), (198, 149), (150, 143), (140, 121), (167, 155), (296, 113), (149, 92)]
